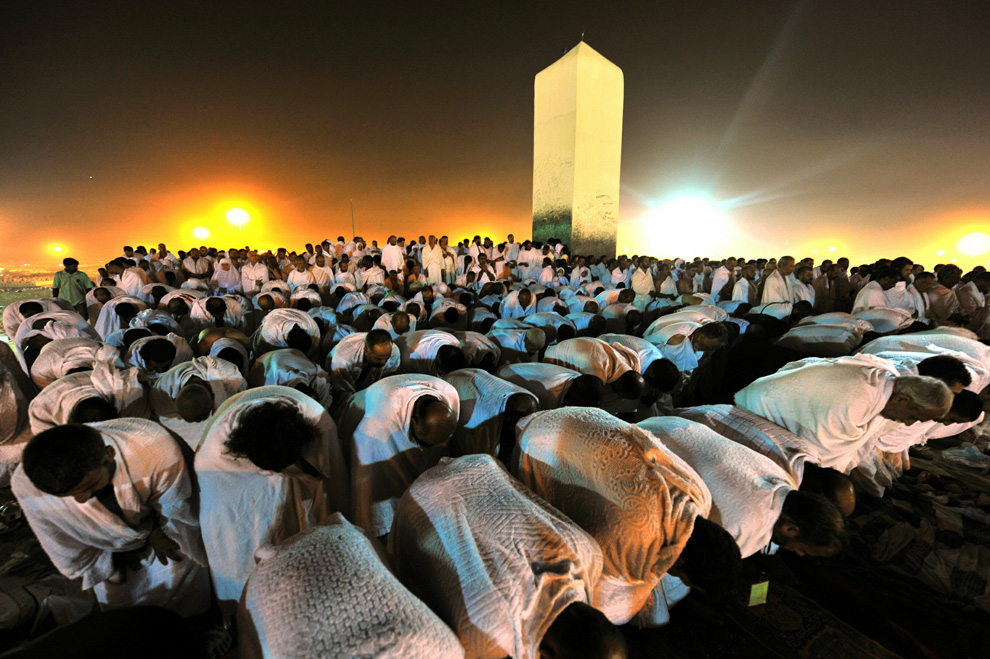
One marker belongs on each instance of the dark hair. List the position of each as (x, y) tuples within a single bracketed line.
[(714, 331), (946, 368), (711, 558), (125, 311), (967, 404), (56, 460), (30, 308), (581, 630), (92, 409), (231, 355), (886, 273), (160, 351), (663, 374), (450, 315), (271, 435), (67, 261), (377, 337), (820, 522), (450, 358), (299, 339), (584, 391)]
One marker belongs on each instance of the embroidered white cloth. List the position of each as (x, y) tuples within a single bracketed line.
[(243, 507), (497, 563), (327, 593), (151, 478), (844, 424), (383, 456), (748, 489), (619, 483)]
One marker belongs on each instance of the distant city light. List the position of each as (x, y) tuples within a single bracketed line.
[(56, 248), (974, 244), (238, 217), (201, 233), (940, 252)]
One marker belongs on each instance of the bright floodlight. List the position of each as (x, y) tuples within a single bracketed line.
[(201, 233), (238, 217), (56, 248), (940, 252), (973, 244), (831, 249), (688, 224)]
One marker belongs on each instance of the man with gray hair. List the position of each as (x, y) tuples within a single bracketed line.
[(841, 406), (777, 287)]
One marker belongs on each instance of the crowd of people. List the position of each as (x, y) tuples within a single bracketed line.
[(480, 450)]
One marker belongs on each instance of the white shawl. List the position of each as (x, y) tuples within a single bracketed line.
[(594, 357), (223, 379), (288, 367), (619, 483), (476, 346), (508, 563), (482, 397), (347, 362), (383, 457), (419, 349), (548, 382), (326, 593), (787, 450), (833, 405), (121, 387), (748, 489), (151, 478), (777, 288), (108, 321), (183, 352), (63, 355), (275, 328), (243, 507)]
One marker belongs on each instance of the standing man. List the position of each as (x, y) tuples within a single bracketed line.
[(778, 286), (433, 262), (72, 285)]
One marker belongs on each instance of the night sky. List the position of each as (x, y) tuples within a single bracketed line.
[(861, 125)]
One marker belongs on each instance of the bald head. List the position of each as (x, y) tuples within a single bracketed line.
[(432, 422), (535, 340)]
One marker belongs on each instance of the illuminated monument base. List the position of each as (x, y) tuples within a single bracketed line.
[(577, 151)]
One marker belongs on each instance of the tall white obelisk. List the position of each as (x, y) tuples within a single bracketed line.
[(577, 151)]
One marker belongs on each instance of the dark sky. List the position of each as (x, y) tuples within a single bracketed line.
[(861, 124)]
